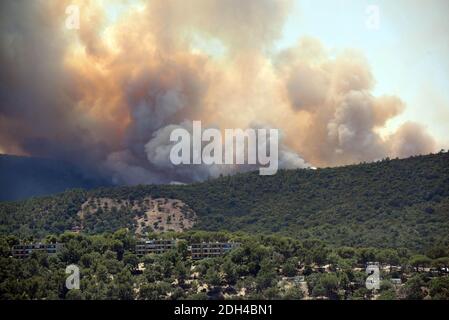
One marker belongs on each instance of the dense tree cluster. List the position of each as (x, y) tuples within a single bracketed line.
[(265, 267)]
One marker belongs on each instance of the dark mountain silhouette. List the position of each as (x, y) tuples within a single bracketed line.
[(24, 177)]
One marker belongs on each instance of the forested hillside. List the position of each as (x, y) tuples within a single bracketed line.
[(390, 203), (262, 267)]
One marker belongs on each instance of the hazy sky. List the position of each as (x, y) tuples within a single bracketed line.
[(408, 53)]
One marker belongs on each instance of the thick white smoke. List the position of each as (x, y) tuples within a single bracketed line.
[(108, 95)]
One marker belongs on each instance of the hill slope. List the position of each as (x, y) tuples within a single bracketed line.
[(392, 203)]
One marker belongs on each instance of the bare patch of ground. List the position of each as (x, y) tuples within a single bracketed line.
[(167, 215), (157, 215)]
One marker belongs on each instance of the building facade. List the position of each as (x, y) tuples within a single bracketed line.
[(155, 246), (197, 250), (211, 249), (22, 251)]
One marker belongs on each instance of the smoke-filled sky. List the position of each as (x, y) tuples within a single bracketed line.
[(107, 95)]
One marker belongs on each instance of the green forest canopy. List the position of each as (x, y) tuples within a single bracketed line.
[(389, 203)]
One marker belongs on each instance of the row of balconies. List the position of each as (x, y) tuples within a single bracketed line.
[(25, 250), (197, 250)]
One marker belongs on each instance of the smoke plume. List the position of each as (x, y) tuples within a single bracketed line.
[(108, 95)]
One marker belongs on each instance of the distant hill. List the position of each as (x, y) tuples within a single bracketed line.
[(24, 177), (390, 203)]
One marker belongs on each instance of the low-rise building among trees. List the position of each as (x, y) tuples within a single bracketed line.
[(211, 249), (197, 250), (22, 251), (155, 246)]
